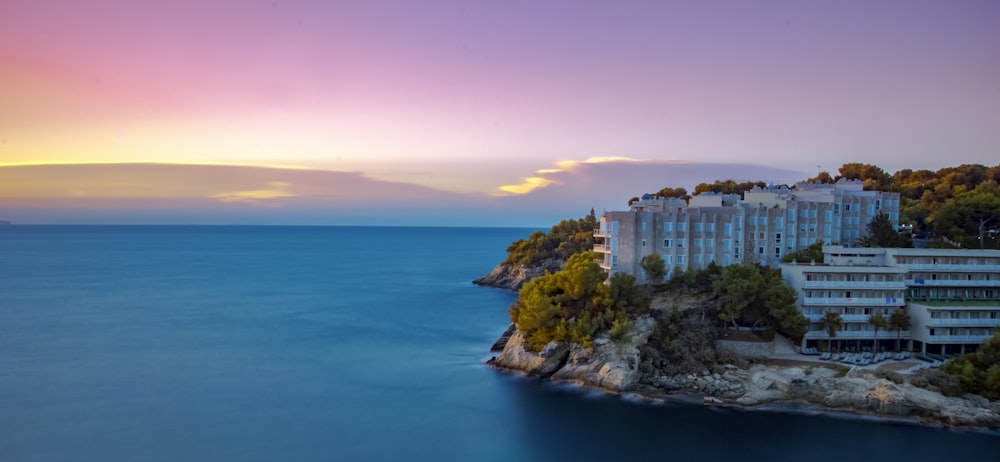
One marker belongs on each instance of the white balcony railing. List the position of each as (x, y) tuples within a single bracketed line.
[(957, 338), (843, 317), (971, 322), (858, 285), (884, 334), (855, 301), (947, 267), (602, 248), (953, 283)]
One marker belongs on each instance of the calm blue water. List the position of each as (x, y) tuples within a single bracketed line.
[(328, 343)]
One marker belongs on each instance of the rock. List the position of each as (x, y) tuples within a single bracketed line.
[(712, 401), (516, 356), (512, 277)]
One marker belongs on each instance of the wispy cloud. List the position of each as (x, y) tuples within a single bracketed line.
[(275, 190), (545, 176)]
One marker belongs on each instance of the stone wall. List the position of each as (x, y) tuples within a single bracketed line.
[(747, 349)]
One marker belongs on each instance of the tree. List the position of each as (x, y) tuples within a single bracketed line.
[(673, 193), (831, 322), (899, 321), (573, 303), (973, 213), (811, 254), (737, 289), (873, 176), (654, 267), (880, 232), (822, 177), (877, 321), (979, 372)]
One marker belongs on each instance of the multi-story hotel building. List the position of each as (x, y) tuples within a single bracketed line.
[(952, 296), (762, 226)]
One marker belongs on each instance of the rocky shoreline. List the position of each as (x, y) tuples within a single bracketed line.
[(614, 368), (512, 277)]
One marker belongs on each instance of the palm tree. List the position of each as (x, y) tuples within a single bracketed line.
[(899, 321), (831, 322), (879, 322)]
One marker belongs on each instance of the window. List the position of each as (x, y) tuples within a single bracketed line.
[(777, 238), (667, 243), (698, 227), (643, 242), (614, 228), (680, 243), (836, 208), (760, 236), (666, 259), (760, 250), (779, 222), (680, 260), (697, 259), (727, 229), (847, 207), (696, 243), (668, 226), (710, 227), (777, 251), (727, 244), (682, 227), (644, 226)]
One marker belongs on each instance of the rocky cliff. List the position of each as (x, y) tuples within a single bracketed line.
[(615, 367), (512, 277)]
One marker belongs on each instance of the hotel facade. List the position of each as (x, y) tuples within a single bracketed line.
[(952, 296), (761, 227)]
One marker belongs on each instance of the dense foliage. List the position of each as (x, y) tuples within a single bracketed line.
[(879, 232), (654, 267), (979, 372), (728, 187), (574, 304), (811, 254), (564, 239), (756, 296)]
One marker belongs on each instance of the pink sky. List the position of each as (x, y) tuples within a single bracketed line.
[(471, 96)]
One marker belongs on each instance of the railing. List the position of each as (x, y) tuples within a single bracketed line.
[(957, 338), (935, 322), (953, 282), (889, 285), (948, 267), (843, 317), (831, 301), (883, 334), (603, 248)]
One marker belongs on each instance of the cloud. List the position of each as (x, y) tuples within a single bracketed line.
[(527, 185), (275, 190)]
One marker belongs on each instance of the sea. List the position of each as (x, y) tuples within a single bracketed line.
[(257, 343)]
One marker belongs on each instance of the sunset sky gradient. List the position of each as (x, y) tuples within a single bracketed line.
[(480, 101)]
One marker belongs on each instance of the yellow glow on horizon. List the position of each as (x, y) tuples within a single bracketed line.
[(278, 189), (527, 185)]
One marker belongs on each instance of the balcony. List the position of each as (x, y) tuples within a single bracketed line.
[(953, 282), (599, 233), (843, 317), (970, 322), (958, 338), (883, 334), (949, 268), (854, 301), (855, 285), (602, 248)]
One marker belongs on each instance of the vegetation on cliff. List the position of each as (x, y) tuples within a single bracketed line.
[(574, 303), (564, 239), (979, 372)]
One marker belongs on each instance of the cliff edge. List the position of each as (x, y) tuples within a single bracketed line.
[(617, 367), (512, 277)]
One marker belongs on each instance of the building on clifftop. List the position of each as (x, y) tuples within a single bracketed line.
[(761, 227)]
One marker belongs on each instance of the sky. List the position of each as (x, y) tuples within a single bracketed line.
[(478, 112)]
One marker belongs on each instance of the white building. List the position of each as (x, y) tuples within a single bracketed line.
[(952, 296), (762, 227)]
